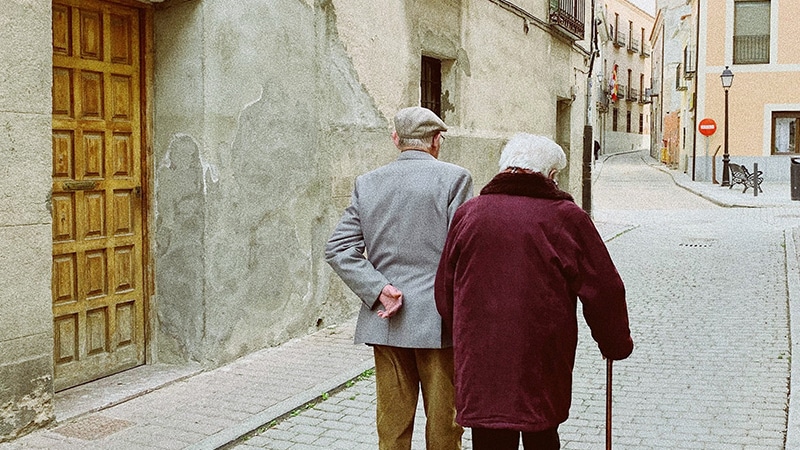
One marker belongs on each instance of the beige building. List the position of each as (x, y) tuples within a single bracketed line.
[(623, 121), (673, 40), (754, 40), (173, 169)]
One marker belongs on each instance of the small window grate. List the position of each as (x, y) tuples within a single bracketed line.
[(431, 85)]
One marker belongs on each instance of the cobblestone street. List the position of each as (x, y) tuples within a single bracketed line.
[(707, 294)]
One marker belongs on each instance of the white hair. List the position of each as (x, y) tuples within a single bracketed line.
[(426, 142), (536, 153)]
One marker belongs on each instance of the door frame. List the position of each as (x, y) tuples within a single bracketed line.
[(146, 37)]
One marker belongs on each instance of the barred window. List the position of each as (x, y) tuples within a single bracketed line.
[(431, 85), (751, 32), (628, 126)]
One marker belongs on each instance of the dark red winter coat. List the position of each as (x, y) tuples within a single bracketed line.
[(516, 260)]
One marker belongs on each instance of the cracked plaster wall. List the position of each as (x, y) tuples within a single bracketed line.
[(265, 112), (253, 100)]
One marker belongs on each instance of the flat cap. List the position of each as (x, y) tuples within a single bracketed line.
[(417, 122)]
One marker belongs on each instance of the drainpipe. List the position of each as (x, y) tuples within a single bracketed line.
[(696, 76), (586, 198)]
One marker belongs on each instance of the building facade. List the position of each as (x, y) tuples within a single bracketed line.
[(623, 119), (174, 168), (673, 40), (754, 40)]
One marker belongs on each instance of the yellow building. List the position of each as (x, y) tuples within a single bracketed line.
[(754, 39)]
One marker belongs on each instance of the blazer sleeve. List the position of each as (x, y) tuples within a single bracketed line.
[(344, 252), (601, 291), (461, 192)]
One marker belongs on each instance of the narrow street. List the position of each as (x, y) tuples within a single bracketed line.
[(707, 295)]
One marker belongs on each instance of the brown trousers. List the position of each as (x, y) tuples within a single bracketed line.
[(399, 373)]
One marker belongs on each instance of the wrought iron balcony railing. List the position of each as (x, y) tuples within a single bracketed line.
[(634, 45), (567, 16), (751, 49), (633, 94), (621, 39)]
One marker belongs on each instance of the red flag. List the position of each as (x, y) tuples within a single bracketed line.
[(614, 84)]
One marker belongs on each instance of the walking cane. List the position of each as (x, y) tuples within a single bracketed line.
[(608, 404)]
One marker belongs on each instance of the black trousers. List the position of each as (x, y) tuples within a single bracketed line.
[(490, 439)]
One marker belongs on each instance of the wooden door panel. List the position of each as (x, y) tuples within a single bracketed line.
[(121, 39), (122, 157), (91, 95), (98, 236), (61, 30), (62, 92), (91, 34)]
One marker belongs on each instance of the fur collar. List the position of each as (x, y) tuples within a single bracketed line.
[(533, 185)]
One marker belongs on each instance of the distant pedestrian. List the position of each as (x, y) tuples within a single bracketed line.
[(386, 248), (516, 260)]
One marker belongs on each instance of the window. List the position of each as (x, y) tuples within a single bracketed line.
[(643, 41), (431, 85), (688, 62), (619, 37), (751, 32), (633, 43), (785, 132), (631, 94), (615, 119), (628, 126), (680, 81), (641, 88), (641, 123)]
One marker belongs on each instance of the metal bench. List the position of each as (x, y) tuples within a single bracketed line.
[(740, 175)]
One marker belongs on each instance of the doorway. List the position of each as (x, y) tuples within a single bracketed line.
[(99, 238)]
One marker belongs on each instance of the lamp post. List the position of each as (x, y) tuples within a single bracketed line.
[(727, 80)]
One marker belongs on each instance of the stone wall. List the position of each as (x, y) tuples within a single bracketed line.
[(26, 329)]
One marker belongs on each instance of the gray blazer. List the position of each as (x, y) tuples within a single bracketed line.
[(393, 232)]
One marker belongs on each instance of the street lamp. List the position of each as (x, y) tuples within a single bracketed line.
[(727, 80)]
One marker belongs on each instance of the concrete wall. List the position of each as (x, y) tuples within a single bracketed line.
[(253, 101), (26, 330), (620, 142), (265, 112)]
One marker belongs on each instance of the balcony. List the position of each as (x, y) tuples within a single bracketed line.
[(645, 53), (603, 101), (634, 45), (633, 94), (688, 62), (567, 17), (621, 91), (621, 39), (680, 81)]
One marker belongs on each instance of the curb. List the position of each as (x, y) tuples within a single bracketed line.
[(793, 287), (249, 427)]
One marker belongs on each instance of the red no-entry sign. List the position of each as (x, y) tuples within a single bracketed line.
[(707, 127)]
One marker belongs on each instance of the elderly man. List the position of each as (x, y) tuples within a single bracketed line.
[(516, 260), (386, 248)]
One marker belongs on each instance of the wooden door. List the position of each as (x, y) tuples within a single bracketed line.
[(98, 240)]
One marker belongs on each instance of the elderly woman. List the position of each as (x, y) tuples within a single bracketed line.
[(515, 262)]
